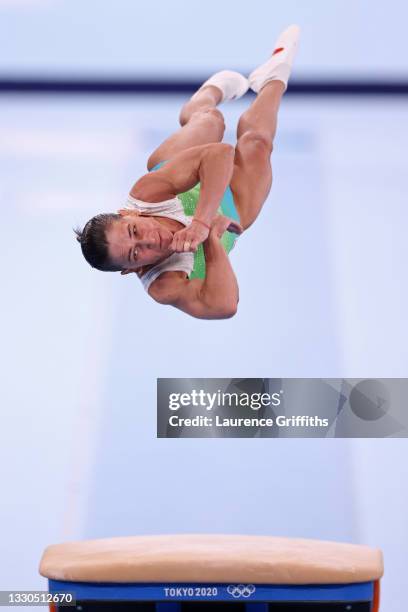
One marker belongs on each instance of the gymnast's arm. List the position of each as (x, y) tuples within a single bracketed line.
[(215, 297), (211, 165)]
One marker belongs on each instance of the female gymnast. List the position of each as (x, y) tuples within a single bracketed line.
[(182, 218)]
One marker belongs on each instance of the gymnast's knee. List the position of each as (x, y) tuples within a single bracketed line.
[(211, 115), (256, 141)]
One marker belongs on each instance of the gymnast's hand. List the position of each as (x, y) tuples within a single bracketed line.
[(189, 238), (221, 224)]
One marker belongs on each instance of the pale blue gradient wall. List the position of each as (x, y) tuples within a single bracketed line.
[(189, 38)]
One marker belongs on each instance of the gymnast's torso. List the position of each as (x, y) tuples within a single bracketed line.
[(181, 209)]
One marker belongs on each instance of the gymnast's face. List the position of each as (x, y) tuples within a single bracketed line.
[(135, 241)]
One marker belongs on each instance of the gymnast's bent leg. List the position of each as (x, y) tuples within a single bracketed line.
[(252, 177), (201, 122)]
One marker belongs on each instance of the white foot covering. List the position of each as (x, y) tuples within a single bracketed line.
[(232, 84), (279, 65)]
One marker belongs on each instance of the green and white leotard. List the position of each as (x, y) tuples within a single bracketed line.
[(182, 208)]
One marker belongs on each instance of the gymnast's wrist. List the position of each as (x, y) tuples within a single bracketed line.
[(202, 223)]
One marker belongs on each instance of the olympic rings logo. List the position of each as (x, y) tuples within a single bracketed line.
[(241, 590)]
